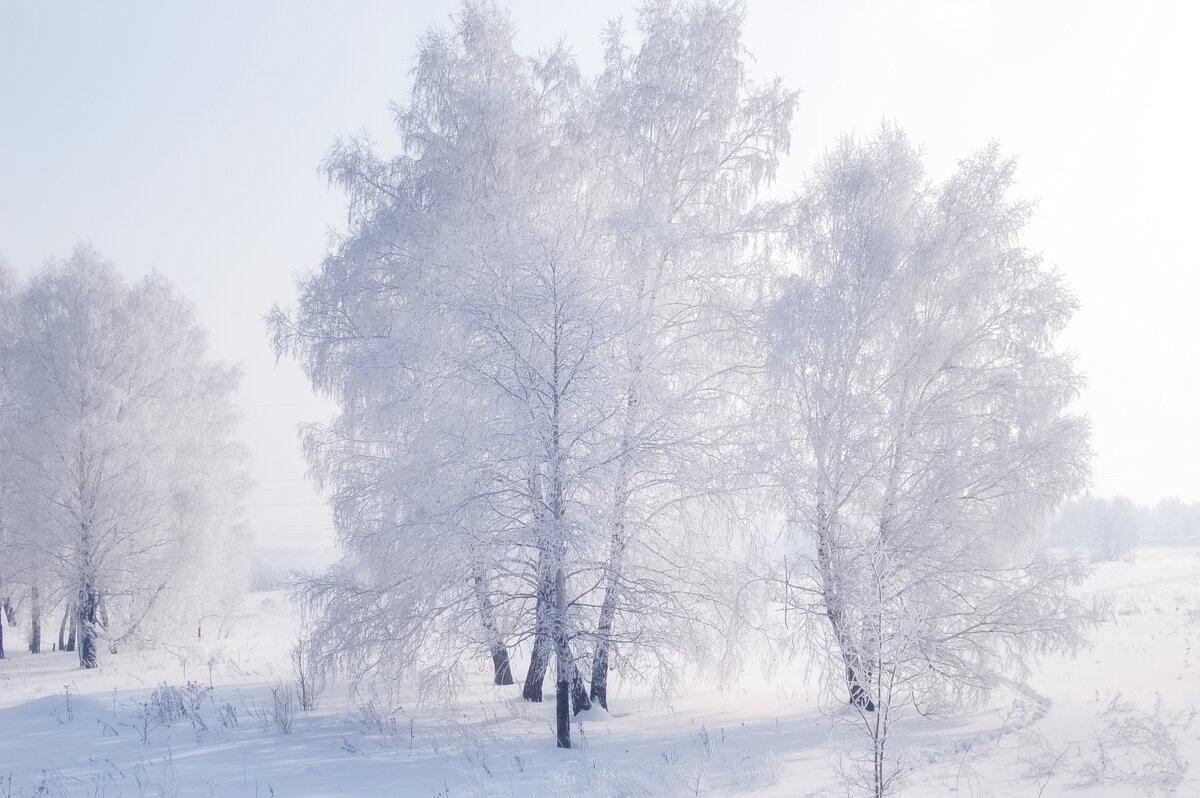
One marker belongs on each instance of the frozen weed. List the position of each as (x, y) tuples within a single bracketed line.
[(309, 683), (1136, 748), (279, 715)]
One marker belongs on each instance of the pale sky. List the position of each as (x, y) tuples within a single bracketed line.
[(185, 138)]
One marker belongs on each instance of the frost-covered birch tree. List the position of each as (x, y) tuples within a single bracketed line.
[(689, 141), (11, 561), (523, 327), (126, 467), (924, 430), (535, 327), (460, 324)]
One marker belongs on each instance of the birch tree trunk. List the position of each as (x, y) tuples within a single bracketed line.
[(562, 652), (35, 620), (856, 679), (608, 608), (619, 540), (539, 657), (500, 664), (73, 630), (87, 622), (85, 629), (62, 628), (544, 645)]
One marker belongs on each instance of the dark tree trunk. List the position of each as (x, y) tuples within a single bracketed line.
[(539, 662), (72, 637), (860, 695), (545, 642), (35, 621), (599, 690), (102, 614), (617, 546), (608, 611), (539, 657), (579, 692), (501, 668), (563, 664), (87, 600), (62, 629), (604, 628), (6, 614), (87, 626), (562, 704)]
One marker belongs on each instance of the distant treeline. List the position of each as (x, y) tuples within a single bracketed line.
[(1113, 528)]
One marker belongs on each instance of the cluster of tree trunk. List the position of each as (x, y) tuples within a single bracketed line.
[(551, 637), (66, 629)]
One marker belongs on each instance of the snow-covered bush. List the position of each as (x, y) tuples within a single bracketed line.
[(1134, 747), (283, 708), (169, 704)]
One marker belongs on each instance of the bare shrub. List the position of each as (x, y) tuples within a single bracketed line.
[(1135, 747), (283, 707), (309, 681)]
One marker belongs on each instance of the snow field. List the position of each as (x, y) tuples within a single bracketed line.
[(1117, 720)]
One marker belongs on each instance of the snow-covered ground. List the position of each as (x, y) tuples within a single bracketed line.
[(1114, 721)]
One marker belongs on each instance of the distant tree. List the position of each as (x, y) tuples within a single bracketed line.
[(21, 566), (124, 458), (1116, 531), (10, 561), (1170, 521), (923, 434), (1108, 528)]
